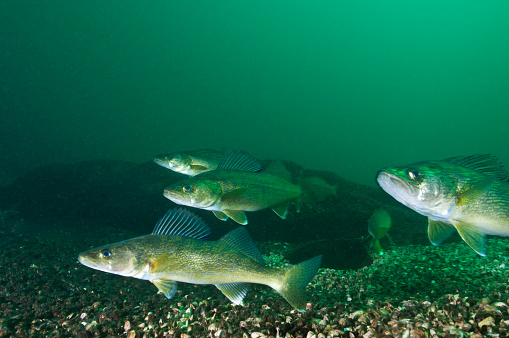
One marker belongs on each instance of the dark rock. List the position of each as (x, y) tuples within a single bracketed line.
[(128, 195)]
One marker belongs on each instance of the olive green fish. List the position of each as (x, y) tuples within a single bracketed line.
[(378, 226), (191, 162), (469, 194), (236, 186), (176, 252)]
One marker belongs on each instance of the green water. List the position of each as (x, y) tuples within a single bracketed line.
[(345, 86)]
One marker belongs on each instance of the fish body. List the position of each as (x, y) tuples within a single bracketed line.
[(469, 194), (378, 226), (234, 188), (175, 252), (191, 162)]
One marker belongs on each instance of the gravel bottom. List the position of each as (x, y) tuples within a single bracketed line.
[(418, 291)]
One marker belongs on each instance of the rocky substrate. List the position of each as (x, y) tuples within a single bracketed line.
[(412, 291)]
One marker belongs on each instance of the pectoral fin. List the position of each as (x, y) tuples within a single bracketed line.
[(472, 235), (233, 196), (439, 231), (281, 210), (220, 215), (198, 167), (166, 286), (234, 291), (237, 215)]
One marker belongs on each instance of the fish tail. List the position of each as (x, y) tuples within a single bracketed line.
[(296, 280), (316, 189)]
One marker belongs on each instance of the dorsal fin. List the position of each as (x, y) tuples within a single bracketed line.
[(240, 161), (277, 168), (241, 241), (485, 163), (180, 222)]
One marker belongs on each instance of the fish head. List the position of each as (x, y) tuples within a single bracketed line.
[(174, 161), (115, 258), (196, 193), (422, 186)]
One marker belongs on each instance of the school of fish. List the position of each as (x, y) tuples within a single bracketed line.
[(464, 194)]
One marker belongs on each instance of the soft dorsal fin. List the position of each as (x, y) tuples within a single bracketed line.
[(485, 163), (240, 161), (180, 222), (241, 241), (277, 168)]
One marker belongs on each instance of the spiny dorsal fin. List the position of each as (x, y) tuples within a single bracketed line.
[(240, 240), (180, 222), (277, 168), (439, 231), (484, 163), (239, 161), (234, 291)]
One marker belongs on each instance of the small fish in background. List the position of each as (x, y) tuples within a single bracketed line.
[(468, 194), (176, 252), (317, 188), (378, 226), (191, 162), (236, 186)]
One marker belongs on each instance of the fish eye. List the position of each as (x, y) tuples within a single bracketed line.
[(414, 175), (187, 188), (106, 253)]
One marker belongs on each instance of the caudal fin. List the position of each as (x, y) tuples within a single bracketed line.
[(297, 278), (316, 189)]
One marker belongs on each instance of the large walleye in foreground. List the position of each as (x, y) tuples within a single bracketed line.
[(175, 252), (236, 186), (469, 194)]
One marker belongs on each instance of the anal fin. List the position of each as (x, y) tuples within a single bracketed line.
[(439, 231), (166, 286), (472, 235), (234, 291)]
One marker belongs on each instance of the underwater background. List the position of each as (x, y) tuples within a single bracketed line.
[(91, 91), (344, 86)]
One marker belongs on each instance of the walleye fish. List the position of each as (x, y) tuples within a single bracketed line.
[(236, 186), (192, 162), (378, 226), (469, 194), (176, 252)]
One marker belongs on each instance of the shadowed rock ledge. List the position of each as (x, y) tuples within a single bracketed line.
[(128, 196)]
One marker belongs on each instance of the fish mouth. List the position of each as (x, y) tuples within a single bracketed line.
[(161, 162), (398, 188), (174, 196), (84, 260)]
